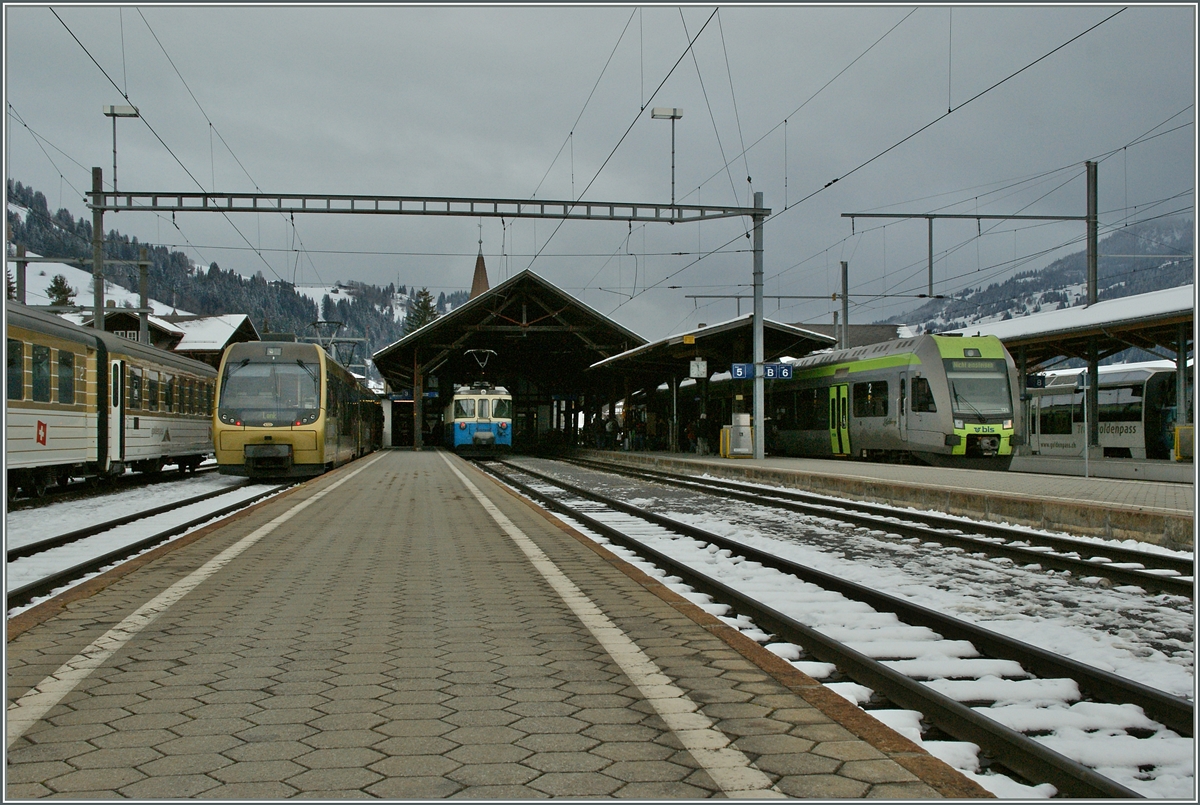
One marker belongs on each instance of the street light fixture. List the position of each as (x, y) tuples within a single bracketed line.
[(114, 112), (672, 114)]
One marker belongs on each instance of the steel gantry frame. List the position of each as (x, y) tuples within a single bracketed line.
[(103, 201)]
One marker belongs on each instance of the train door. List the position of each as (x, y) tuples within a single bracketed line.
[(902, 408), (116, 412), (839, 419)]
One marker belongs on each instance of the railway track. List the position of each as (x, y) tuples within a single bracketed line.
[(37, 569), (956, 704), (1156, 572)]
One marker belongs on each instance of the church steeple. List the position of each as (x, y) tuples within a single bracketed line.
[(479, 283)]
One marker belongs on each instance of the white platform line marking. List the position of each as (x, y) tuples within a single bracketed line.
[(728, 767), (34, 704)]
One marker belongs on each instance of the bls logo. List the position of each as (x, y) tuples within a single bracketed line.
[(41, 432), (984, 429)]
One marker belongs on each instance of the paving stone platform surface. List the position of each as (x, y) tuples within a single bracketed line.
[(394, 641)]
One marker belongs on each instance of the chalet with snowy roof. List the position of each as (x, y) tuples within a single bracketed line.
[(206, 337), (124, 323)]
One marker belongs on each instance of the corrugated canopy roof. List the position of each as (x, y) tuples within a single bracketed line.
[(720, 344), (1148, 321)]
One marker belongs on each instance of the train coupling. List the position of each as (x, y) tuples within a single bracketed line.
[(268, 459)]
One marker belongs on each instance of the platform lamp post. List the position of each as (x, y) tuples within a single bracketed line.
[(672, 114)]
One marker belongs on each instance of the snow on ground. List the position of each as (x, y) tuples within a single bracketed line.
[(1146, 638), (38, 276)]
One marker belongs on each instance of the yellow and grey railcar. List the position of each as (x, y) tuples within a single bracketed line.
[(287, 409), (83, 403), (943, 400)]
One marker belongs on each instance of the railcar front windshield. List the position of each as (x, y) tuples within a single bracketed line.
[(502, 408), (269, 391), (979, 388)]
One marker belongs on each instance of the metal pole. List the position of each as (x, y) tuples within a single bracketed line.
[(143, 294), (98, 248), (930, 220), (1182, 410), (418, 403), (1087, 447), (760, 419), (672, 165), (21, 273), (1092, 226), (114, 120), (845, 340)]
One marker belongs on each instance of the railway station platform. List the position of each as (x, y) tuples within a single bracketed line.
[(405, 628), (1156, 512)]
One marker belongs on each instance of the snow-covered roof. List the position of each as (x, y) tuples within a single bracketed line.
[(1125, 311), (208, 333)]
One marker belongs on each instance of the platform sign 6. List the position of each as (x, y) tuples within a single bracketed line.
[(777, 371), (741, 371)]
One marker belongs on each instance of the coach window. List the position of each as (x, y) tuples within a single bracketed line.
[(152, 390), (870, 399), (168, 393), (922, 397), (1055, 414), (66, 377), (16, 369), (811, 412), (135, 389), (41, 373)]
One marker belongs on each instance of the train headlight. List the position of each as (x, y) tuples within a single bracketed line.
[(1007, 424), (959, 424)]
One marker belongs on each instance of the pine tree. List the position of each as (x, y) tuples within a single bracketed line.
[(61, 294), (12, 286), (422, 311)]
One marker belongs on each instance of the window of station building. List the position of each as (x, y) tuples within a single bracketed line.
[(152, 390), (66, 377), (16, 369), (41, 373), (870, 399), (464, 408), (135, 389), (922, 397)]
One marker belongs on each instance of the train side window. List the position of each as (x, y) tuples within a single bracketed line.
[(1121, 404), (922, 397), (484, 409), (41, 373), (135, 389), (168, 393), (16, 369), (870, 399), (152, 390), (464, 408), (811, 412), (1054, 416), (66, 377), (189, 397)]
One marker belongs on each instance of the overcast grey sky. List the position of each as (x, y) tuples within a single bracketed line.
[(510, 102)]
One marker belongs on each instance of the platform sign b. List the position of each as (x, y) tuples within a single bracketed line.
[(777, 371)]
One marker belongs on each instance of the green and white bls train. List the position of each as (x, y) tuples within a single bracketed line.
[(942, 400)]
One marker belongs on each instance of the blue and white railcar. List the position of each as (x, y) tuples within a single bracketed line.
[(478, 420)]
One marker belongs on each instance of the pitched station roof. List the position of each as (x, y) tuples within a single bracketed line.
[(720, 344), (539, 334), (1149, 321)]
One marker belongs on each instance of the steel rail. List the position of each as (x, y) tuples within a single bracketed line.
[(1172, 711), (1025, 756), (27, 592), (880, 517), (22, 551)]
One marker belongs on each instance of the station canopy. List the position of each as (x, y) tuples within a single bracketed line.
[(540, 336), (1154, 321), (720, 345)]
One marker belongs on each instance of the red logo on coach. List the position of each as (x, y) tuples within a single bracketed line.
[(41, 432)]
